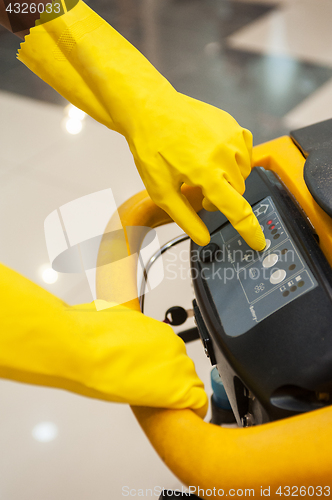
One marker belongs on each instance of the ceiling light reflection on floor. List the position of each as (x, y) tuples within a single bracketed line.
[(49, 275), (73, 121), (73, 126), (44, 432)]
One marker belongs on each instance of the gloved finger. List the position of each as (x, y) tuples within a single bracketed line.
[(238, 159), (247, 136), (239, 213), (233, 164), (180, 210), (236, 179), (207, 205), (244, 153)]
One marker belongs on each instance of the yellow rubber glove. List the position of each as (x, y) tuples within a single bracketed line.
[(117, 354), (174, 139)]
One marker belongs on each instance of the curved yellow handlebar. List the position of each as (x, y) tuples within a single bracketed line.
[(280, 456)]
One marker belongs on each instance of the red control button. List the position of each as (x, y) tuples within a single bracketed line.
[(269, 222)]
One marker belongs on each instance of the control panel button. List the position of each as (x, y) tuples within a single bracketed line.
[(278, 276), (268, 244), (270, 260), (209, 252)]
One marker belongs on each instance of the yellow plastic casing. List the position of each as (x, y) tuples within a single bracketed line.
[(280, 456), (285, 159)]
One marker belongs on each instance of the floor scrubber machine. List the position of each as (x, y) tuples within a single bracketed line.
[(265, 321)]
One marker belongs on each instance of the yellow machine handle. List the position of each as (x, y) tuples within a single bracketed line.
[(290, 457)]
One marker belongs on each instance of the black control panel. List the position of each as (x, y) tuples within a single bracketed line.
[(256, 283), (266, 317)]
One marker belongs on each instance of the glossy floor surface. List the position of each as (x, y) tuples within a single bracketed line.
[(269, 64)]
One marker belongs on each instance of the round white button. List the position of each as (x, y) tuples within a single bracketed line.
[(270, 260), (278, 276), (268, 244)]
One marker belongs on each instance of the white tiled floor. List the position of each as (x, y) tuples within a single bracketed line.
[(98, 450), (299, 29), (316, 108)]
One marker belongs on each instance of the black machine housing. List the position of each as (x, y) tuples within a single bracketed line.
[(265, 318)]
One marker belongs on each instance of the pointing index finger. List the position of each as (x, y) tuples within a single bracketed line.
[(239, 213)]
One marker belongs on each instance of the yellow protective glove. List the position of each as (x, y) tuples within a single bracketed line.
[(174, 139), (116, 354)]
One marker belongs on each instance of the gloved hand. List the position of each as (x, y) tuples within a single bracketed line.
[(117, 354), (174, 139)]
